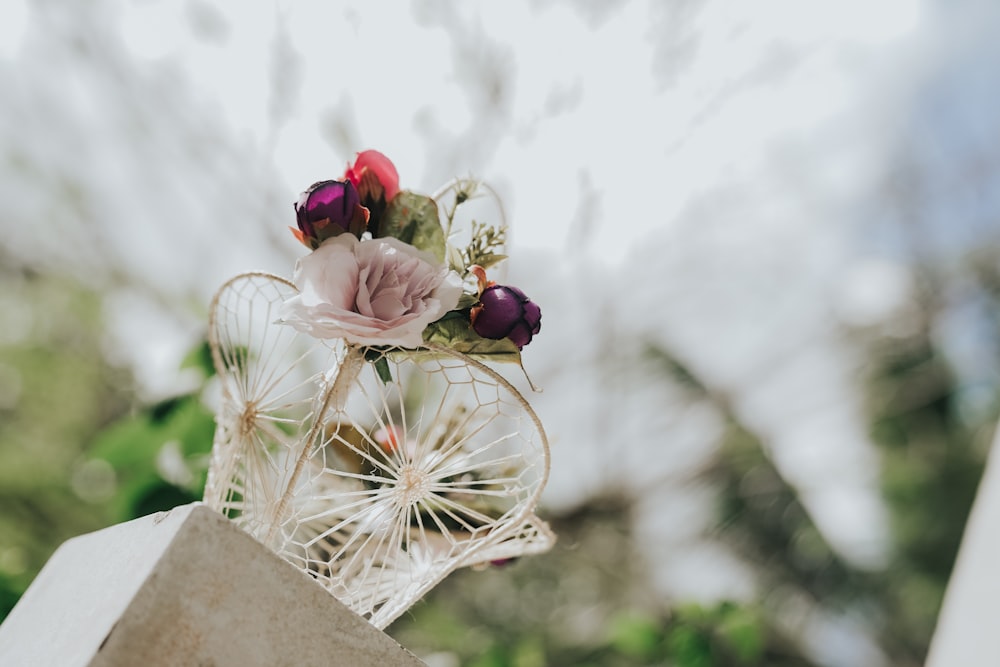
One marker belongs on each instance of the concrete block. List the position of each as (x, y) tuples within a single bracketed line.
[(184, 587), (968, 629)]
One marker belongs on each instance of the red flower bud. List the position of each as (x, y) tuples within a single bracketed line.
[(377, 181), (384, 179)]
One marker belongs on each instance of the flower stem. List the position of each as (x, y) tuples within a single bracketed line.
[(450, 214), (335, 398), (456, 185)]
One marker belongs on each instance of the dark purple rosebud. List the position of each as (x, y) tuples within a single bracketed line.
[(505, 312), (328, 209)]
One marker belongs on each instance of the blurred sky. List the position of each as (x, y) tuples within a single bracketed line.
[(703, 176)]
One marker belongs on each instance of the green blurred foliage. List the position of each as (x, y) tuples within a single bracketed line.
[(933, 460), (77, 454), (164, 475), (587, 602), (56, 389)]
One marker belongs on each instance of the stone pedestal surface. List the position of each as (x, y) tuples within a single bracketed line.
[(184, 587), (968, 630)]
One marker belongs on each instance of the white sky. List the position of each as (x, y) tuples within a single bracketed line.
[(582, 104)]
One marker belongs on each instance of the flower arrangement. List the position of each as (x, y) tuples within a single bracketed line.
[(377, 277), (361, 435)]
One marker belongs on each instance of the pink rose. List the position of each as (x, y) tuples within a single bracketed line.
[(375, 292)]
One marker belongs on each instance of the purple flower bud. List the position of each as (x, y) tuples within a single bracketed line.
[(505, 312), (328, 209)]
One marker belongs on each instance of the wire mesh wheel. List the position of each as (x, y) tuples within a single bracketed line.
[(377, 471)]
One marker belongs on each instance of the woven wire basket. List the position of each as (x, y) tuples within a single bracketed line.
[(376, 471)]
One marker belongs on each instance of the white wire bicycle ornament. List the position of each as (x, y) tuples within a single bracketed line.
[(377, 469)]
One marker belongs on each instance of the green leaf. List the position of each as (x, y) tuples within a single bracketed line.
[(486, 261), (689, 648), (456, 260), (194, 426), (11, 589), (413, 219), (128, 443), (200, 357), (637, 636), (495, 656), (456, 332), (382, 369), (159, 497), (529, 652), (132, 447), (485, 246), (376, 357), (465, 302), (742, 631)]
